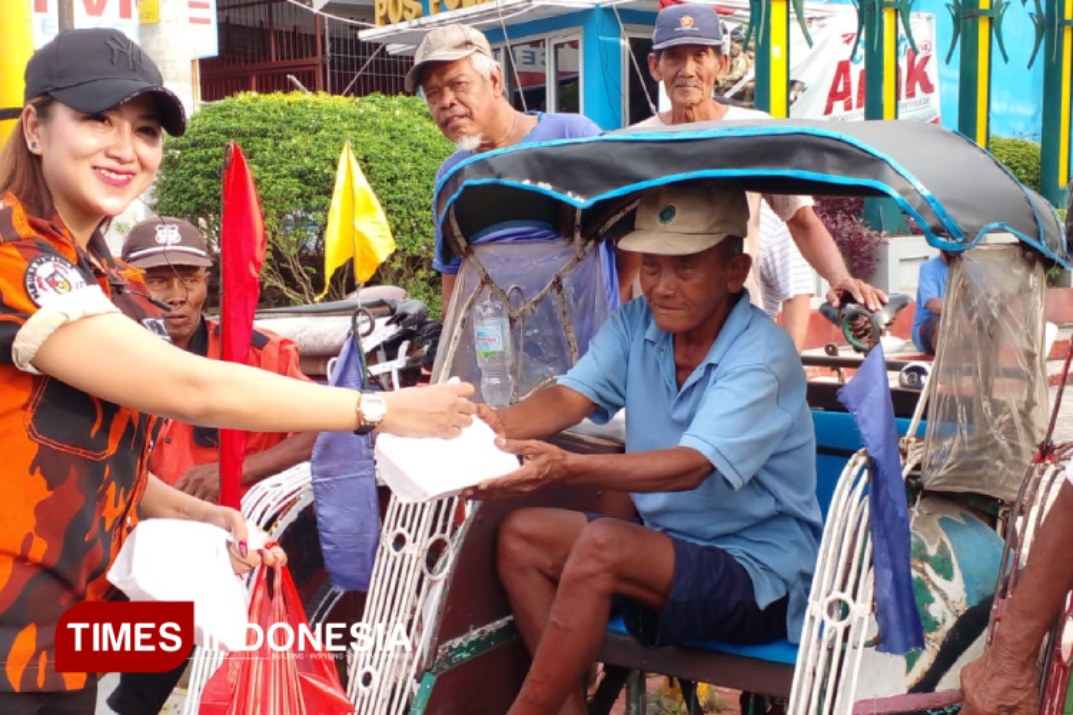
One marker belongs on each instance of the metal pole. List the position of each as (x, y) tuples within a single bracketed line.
[(18, 46), (974, 91), (772, 19), (880, 28), (880, 59), (1057, 103)]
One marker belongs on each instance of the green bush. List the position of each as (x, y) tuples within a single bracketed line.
[(1021, 157), (292, 143)]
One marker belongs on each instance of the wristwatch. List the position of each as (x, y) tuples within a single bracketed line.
[(371, 409)]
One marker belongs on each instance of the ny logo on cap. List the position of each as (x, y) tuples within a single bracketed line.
[(128, 48), (167, 234)]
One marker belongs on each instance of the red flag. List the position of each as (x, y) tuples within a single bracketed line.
[(242, 253)]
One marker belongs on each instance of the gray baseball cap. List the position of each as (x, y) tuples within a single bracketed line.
[(446, 44), (687, 218), (165, 242)]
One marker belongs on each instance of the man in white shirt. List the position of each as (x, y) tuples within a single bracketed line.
[(687, 57)]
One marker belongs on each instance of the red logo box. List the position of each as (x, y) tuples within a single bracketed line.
[(125, 637)]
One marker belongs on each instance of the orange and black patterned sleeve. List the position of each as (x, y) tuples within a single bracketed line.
[(40, 290), (16, 306)]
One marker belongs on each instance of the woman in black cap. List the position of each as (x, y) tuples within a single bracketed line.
[(80, 375)]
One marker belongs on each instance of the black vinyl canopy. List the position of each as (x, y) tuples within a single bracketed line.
[(952, 188)]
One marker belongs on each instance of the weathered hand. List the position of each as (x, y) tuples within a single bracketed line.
[(542, 464), (490, 416), (243, 560), (865, 294), (202, 481), (999, 684), (435, 411)]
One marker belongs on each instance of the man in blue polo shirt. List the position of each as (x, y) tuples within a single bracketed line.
[(931, 290), (463, 86), (720, 464)]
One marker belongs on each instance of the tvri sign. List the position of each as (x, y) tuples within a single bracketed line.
[(126, 16)]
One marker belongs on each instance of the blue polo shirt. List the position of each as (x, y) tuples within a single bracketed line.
[(930, 284), (744, 409), (549, 127)]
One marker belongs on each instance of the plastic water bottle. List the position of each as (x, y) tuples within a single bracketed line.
[(492, 342)]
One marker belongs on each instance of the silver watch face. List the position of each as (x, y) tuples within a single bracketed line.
[(373, 407)]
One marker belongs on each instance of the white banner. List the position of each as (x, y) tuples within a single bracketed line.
[(199, 33), (119, 14), (827, 82)]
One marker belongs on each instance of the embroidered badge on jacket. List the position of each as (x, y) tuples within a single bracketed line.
[(48, 277)]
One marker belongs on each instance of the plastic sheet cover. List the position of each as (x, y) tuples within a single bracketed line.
[(542, 345), (988, 406)]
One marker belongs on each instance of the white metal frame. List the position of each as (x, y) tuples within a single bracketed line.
[(272, 504)]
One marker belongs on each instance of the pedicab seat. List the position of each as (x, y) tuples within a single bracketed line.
[(782, 651), (768, 668)]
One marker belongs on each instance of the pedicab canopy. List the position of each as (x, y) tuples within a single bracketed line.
[(988, 406), (952, 188)]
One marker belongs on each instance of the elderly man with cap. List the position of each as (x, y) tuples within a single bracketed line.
[(463, 85), (687, 57), (176, 262), (719, 462)]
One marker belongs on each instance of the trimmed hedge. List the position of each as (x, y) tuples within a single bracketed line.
[(292, 142), (1021, 157)]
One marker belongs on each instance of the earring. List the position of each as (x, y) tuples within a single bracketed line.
[(33, 145)]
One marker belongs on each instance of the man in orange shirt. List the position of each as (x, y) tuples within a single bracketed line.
[(176, 262)]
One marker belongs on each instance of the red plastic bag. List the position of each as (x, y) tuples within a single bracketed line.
[(265, 681)]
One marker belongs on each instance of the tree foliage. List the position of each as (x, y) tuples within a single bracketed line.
[(858, 242), (292, 143), (1021, 157)]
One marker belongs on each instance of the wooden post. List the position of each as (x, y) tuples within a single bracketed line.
[(66, 15)]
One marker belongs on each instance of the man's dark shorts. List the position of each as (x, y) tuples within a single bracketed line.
[(927, 333), (711, 597)]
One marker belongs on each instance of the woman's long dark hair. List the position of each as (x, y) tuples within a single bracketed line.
[(20, 169)]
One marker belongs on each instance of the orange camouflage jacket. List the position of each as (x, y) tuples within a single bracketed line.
[(74, 466)]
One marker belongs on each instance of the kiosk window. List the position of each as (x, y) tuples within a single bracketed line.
[(528, 75), (637, 107), (567, 74)]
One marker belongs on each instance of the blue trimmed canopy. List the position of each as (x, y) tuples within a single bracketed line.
[(953, 189)]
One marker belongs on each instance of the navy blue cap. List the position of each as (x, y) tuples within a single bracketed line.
[(687, 24)]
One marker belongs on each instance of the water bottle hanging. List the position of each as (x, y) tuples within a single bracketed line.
[(492, 340)]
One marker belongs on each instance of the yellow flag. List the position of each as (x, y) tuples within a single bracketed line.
[(357, 228)]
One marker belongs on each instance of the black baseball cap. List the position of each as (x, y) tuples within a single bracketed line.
[(94, 69)]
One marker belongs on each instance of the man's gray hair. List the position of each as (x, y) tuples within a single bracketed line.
[(484, 65)]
